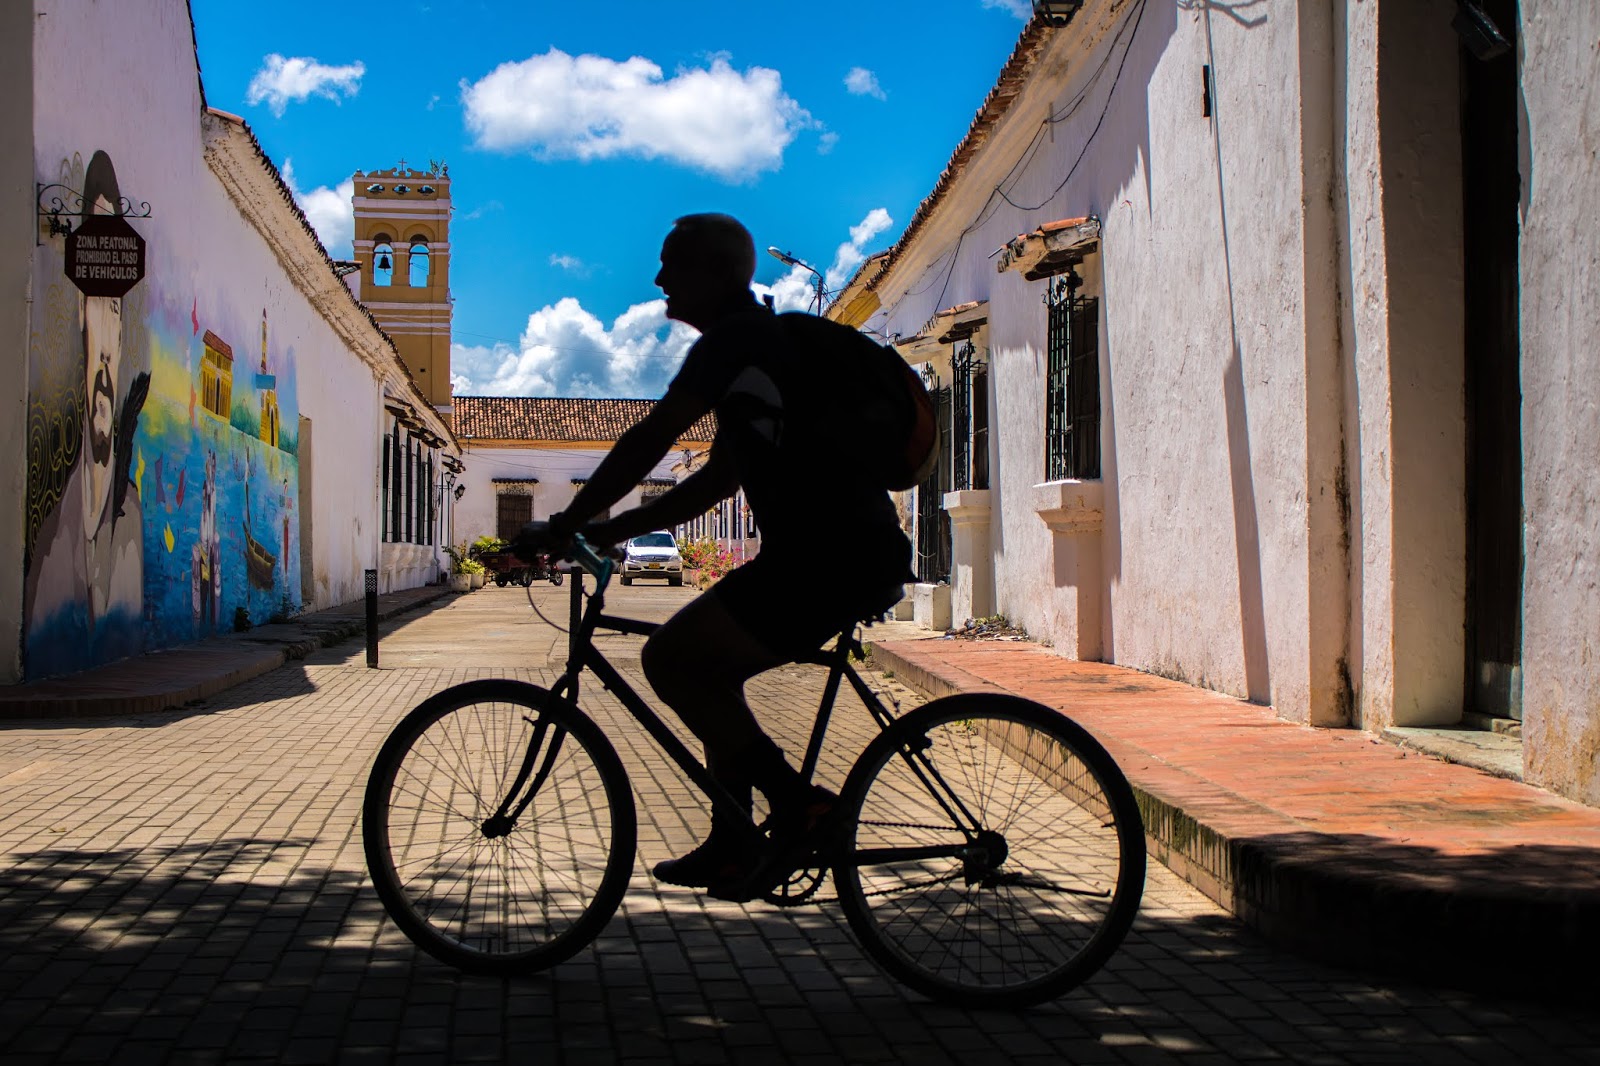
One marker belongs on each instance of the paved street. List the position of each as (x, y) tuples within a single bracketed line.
[(189, 886)]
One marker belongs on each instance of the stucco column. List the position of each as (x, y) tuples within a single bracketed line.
[(1075, 513), (18, 224), (972, 565), (1410, 376), (1560, 309)]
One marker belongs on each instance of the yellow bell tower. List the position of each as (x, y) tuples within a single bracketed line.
[(402, 242)]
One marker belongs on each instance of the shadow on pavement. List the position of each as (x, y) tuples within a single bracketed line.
[(1350, 898), (256, 948)]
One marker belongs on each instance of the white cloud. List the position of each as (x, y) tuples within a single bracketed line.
[(566, 351), (826, 142), (329, 211), (1022, 9), (483, 209), (281, 81), (714, 119), (862, 82), (853, 252), (570, 263)]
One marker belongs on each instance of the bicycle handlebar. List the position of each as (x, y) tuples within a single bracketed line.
[(599, 565)]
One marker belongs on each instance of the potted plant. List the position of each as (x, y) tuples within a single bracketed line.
[(466, 573)]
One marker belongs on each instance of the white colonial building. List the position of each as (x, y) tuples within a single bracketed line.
[(1269, 337)]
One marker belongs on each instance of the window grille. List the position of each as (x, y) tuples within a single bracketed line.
[(933, 522), (1072, 385), (512, 512), (386, 489), (969, 419), (396, 486)]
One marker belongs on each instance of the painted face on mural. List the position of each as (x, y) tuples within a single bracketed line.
[(102, 342)]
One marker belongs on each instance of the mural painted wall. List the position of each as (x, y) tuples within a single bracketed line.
[(163, 477)]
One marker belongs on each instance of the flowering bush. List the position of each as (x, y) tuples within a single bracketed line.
[(712, 561)]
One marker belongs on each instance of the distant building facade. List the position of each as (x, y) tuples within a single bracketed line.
[(526, 456)]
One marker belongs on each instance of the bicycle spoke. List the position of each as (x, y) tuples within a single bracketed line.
[(487, 893), (1036, 892)]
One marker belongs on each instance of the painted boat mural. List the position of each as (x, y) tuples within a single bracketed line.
[(163, 487)]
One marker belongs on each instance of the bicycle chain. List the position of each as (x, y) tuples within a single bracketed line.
[(910, 825)]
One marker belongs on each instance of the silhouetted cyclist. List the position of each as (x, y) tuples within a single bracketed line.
[(832, 551)]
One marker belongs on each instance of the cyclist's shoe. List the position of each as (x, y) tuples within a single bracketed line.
[(713, 862), (793, 832)]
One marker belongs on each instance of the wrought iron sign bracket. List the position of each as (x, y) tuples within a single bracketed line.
[(59, 204)]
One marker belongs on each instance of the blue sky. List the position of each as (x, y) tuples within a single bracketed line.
[(576, 133)]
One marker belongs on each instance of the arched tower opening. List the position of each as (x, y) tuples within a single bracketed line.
[(402, 241)]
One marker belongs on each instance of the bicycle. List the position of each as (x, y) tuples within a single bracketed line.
[(986, 850)]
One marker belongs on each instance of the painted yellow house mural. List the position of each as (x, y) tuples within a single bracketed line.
[(216, 376)]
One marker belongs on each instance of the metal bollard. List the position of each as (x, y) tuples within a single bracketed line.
[(372, 619)]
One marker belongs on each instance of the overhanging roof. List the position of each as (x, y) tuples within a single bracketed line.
[(1053, 248)]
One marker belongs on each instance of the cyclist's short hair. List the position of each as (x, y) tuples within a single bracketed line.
[(722, 244)]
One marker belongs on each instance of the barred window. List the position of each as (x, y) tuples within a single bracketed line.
[(969, 437), (1072, 384), (409, 509)]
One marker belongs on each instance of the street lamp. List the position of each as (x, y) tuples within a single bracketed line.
[(789, 260)]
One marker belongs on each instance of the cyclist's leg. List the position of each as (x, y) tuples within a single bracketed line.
[(698, 663)]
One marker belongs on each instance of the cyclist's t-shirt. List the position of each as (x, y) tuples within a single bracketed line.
[(812, 503)]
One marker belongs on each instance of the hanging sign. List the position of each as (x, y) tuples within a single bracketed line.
[(105, 256)]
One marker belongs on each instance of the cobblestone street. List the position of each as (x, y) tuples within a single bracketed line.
[(189, 887)]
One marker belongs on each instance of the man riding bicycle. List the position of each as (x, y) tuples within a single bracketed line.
[(775, 442)]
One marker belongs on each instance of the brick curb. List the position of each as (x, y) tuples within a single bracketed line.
[(1348, 898), (175, 676)]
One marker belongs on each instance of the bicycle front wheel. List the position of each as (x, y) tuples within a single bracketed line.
[(992, 854), (472, 874)]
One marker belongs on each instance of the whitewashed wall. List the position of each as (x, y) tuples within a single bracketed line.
[(121, 78), (1207, 544), (1560, 263)]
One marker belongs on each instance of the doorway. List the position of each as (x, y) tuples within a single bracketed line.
[(1491, 190)]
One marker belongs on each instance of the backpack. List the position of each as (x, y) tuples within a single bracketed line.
[(875, 402)]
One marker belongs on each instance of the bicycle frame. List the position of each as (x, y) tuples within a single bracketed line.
[(585, 621)]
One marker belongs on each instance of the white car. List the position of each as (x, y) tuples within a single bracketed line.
[(653, 555)]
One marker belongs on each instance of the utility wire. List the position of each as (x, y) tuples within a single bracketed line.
[(984, 213)]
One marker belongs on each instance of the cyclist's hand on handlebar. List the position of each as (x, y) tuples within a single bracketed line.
[(538, 538)]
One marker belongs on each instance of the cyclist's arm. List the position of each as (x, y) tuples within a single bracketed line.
[(636, 453), (690, 498)]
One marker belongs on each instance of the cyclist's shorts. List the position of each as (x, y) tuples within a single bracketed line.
[(794, 610)]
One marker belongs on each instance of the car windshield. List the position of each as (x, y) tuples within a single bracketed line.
[(653, 540)]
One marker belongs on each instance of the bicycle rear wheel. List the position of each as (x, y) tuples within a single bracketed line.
[(992, 852), (510, 894)]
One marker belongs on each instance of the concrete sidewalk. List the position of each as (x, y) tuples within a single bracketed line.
[(174, 676), (1329, 842)]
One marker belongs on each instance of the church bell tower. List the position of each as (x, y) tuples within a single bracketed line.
[(402, 241)]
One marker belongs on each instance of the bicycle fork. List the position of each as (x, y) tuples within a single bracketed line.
[(503, 820)]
